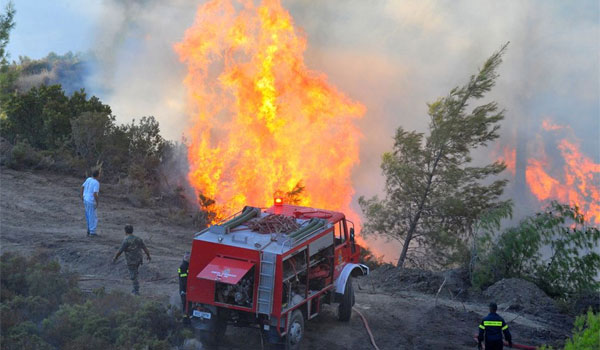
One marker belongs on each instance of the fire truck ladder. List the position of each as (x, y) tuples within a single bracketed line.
[(266, 283)]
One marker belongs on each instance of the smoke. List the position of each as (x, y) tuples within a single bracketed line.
[(394, 57), (136, 70), (68, 70)]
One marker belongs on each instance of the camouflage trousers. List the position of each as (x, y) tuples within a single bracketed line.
[(133, 275)]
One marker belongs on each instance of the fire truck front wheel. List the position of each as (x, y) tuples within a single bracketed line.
[(295, 331), (345, 307)]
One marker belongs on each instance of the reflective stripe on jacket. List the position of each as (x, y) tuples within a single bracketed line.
[(182, 271), (491, 328)]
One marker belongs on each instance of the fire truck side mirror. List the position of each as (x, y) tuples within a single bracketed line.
[(351, 234)]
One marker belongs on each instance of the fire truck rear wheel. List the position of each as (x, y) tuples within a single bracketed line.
[(345, 307), (295, 331)]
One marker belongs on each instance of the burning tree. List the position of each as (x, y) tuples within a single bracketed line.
[(433, 192)]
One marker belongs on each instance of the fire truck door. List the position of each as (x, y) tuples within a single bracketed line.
[(341, 247)]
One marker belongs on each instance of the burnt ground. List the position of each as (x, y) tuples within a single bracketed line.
[(43, 211)]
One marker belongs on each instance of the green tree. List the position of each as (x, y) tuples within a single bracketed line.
[(7, 23), (43, 115), (91, 133), (434, 193), (8, 74)]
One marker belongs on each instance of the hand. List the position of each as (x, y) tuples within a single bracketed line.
[(510, 344), (114, 260), (149, 258)]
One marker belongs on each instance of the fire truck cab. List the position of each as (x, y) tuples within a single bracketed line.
[(275, 276)]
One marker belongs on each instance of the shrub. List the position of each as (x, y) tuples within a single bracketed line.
[(48, 312), (39, 276), (586, 333), (22, 155), (24, 336), (30, 308), (112, 320), (569, 268)]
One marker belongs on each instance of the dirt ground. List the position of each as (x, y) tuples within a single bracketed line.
[(44, 211)]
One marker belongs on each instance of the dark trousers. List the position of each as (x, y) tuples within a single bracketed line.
[(133, 275), (495, 345), (183, 300)]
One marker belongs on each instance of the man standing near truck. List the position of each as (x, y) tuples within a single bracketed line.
[(491, 328), (89, 195), (133, 246)]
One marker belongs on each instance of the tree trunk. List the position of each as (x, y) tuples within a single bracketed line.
[(415, 220), (404, 250)]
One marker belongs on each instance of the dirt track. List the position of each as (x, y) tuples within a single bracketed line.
[(43, 211)]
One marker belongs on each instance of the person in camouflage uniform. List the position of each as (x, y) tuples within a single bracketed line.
[(133, 246)]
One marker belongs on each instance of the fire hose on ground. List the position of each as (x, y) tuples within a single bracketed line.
[(515, 345), (367, 328)]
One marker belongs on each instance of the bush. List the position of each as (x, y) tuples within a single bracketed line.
[(112, 320), (22, 155), (38, 276), (24, 336), (48, 311), (569, 268), (586, 333)]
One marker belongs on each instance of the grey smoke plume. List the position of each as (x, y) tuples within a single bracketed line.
[(137, 71), (393, 56)]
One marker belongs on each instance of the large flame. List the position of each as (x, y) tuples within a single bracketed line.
[(262, 123), (576, 184)]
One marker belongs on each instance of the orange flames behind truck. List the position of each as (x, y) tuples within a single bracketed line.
[(262, 122)]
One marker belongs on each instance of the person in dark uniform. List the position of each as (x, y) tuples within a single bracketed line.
[(183, 275), (491, 328)]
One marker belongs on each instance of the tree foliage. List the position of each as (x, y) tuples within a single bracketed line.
[(555, 249), (7, 23), (43, 115), (433, 192), (586, 333), (8, 75)]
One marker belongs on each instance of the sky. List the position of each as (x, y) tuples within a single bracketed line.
[(392, 56)]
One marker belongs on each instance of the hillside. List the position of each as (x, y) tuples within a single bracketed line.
[(43, 211)]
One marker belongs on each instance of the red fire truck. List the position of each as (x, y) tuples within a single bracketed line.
[(272, 269)]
